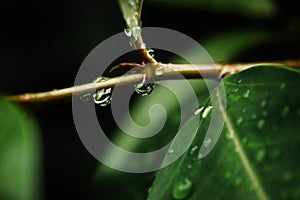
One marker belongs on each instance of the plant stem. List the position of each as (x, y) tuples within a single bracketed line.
[(207, 70)]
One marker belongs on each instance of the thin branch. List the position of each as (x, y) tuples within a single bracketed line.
[(207, 70)]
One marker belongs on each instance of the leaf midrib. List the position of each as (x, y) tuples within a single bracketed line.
[(260, 192)]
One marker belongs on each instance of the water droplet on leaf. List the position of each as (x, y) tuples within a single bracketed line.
[(265, 113), (170, 151), (207, 142), (206, 111), (182, 189), (144, 89), (239, 120), (287, 176), (260, 155), (285, 111), (282, 86), (193, 149), (237, 181), (198, 111), (227, 175), (246, 94), (260, 123)]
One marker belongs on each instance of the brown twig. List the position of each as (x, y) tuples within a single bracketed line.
[(207, 70)]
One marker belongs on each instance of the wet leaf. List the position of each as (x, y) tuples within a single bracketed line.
[(19, 154), (256, 155)]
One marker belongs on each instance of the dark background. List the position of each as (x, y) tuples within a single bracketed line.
[(43, 43)]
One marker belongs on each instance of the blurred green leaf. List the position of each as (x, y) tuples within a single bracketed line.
[(251, 8), (19, 154), (262, 127), (225, 46)]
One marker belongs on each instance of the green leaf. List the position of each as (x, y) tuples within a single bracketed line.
[(256, 156), (251, 8), (19, 154)]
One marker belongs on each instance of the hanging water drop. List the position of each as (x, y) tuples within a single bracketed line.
[(182, 189), (144, 89), (85, 97), (103, 97)]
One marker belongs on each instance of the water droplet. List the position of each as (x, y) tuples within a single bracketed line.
[(207, 142), (236, 89), (263, 103), (170, 151), (237, 181), (239, 81), (282, 86), (193, 149), (228, 136), (245, 141), (143, 46), (275, 154), (128, 32), (227, 175), (287, 176), (144, 89), (285, 111), (265, 113), (246, 94), (136, 32), (198, 111), (85, 97), (200, 156), (260, 123), (182, 189), (239, 120), (159, 71), (206, 111), (102, 97), (260, 155), (150, 52)]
